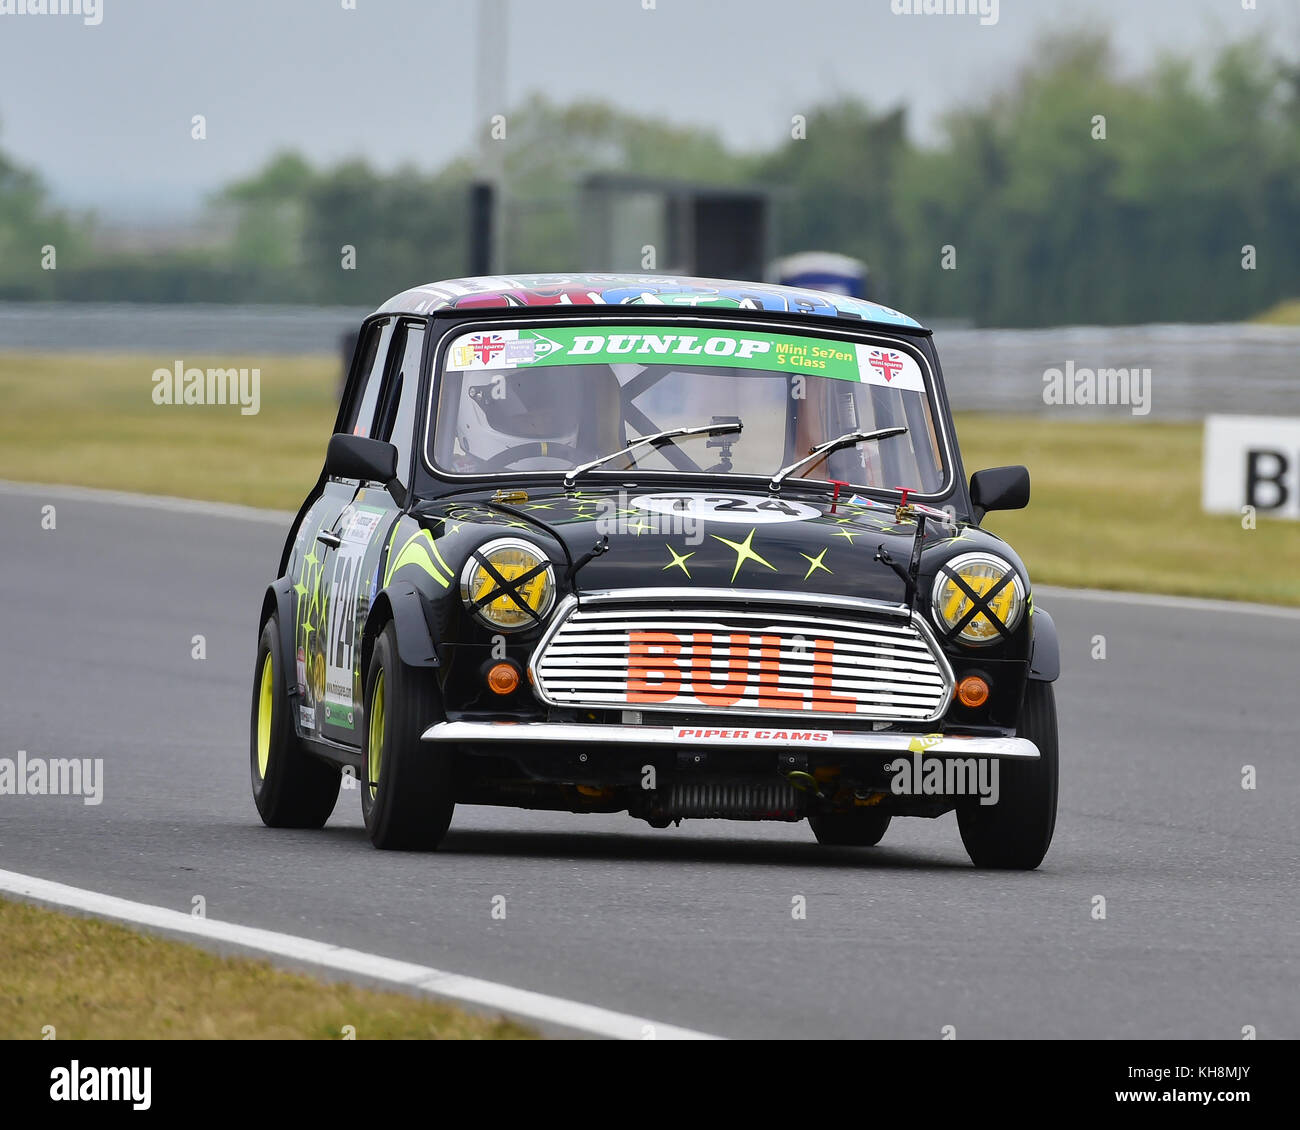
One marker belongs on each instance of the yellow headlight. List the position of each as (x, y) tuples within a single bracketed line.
[(982, 573), (520, 594)]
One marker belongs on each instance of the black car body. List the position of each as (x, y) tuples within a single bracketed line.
[(495, 595)]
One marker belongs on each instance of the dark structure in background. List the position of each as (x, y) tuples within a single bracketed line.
[(482, 238), (482, 211), (644, 225), (673, 227)]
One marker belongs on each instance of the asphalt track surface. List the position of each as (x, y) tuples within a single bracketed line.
[(692, 925)]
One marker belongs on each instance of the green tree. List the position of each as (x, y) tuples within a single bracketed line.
[(270, 211), (838, 189), (28, 224)]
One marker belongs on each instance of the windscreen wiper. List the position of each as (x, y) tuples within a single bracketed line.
[(818, 453), (656, 440)]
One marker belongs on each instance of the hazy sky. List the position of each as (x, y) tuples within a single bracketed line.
[(104, 111)]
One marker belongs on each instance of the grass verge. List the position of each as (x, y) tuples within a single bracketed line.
[(1285, 313), (94, 980), (1116, 504), (90, 420)]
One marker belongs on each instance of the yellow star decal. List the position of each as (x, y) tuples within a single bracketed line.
[(815, 563), (678, 561), (961, 536), (850, 534), (317, 603), (744, 552), (639, 526)]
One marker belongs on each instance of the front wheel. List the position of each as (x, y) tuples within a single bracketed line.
[(408, 794), (1016, 832), (291, 788)]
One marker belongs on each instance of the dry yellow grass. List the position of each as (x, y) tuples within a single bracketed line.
[(91, 420), (93, 980), (1117, 505), (1285, 313)]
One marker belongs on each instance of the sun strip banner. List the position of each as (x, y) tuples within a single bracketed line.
[(656, 345)]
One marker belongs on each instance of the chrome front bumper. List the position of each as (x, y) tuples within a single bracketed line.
[(736, 737)]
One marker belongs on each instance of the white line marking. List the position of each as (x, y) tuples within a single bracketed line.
[(1157, 600), (284, 517), (42, 491), (471, 990)]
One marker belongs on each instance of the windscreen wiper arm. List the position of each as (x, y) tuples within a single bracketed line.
[(656, 440), (818, 453)]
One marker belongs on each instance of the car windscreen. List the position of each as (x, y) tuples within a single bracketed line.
[(545, 400)]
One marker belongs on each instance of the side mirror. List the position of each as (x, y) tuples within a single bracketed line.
[(370, 460), (999, 488)]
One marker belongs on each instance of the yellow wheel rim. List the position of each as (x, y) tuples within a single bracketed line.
[(264, 705), (376, 743)]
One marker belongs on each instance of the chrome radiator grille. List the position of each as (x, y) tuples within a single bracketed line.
[(835, 658)]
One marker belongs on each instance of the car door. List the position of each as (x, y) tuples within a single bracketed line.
[(354, 544), (319, 526)]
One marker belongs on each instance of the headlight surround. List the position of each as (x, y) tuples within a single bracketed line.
[(982, 572), (512, 558)]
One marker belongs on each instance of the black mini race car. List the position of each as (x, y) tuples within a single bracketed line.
[(676, 547)]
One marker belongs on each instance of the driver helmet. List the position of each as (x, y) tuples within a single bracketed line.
[(506, 408)]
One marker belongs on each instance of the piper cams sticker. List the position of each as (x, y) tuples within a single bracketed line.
[(717, 507), (790, 737)]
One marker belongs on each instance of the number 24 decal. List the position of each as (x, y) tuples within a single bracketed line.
[(743, 506)]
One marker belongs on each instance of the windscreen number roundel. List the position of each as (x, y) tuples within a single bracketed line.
[(340, 637), (720, 507)]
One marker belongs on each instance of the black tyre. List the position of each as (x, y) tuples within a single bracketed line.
[(860, 828), (408, 788), (291, 788), (1016, 832)]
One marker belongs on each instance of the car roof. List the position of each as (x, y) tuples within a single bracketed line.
[(497, 291)]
